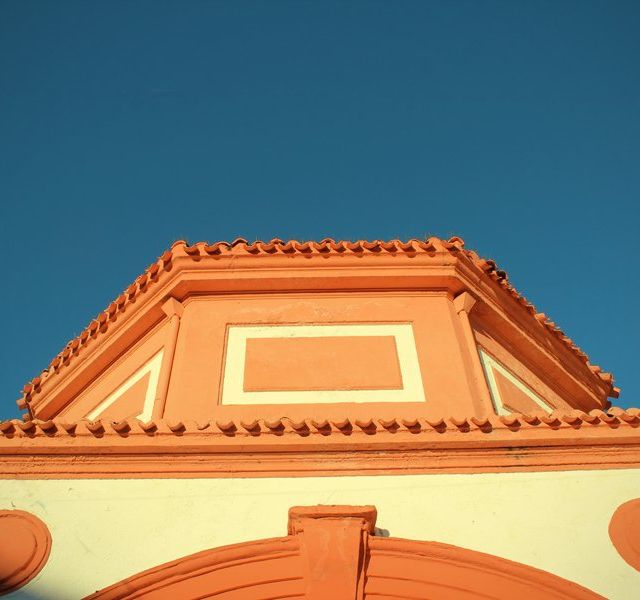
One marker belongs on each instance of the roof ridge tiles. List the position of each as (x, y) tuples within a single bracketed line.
[(153, 273)]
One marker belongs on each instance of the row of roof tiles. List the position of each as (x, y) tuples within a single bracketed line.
[(611, 420), (240, 246)]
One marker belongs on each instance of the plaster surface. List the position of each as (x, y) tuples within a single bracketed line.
[(106, 530), (410, 390)]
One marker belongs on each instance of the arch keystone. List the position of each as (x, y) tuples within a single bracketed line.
[(333, 544)]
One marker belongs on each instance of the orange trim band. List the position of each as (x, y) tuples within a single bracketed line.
[(283, 446)]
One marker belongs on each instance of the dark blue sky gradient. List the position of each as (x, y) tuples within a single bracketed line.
[(126, 125)]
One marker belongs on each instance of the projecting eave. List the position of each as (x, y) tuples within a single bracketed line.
[(282, 446)]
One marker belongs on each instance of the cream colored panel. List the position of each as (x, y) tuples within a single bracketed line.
[(106, 530)]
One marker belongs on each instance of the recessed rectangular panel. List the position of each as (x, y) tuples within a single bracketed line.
[(322, 363)]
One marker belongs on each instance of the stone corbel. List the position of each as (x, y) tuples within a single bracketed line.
[(333, 544)]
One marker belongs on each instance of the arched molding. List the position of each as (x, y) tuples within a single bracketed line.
[(452, 573), (247, 568), (331, 552)]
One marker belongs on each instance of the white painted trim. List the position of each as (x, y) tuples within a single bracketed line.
[(237, 335), (152, 366), (489, 364)]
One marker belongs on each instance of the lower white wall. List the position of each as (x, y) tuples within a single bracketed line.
[(105, 530)]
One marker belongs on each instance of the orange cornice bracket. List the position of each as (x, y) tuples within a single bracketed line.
[(464, 302), (172, 307)]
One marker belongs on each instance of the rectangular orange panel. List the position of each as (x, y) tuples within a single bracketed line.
[(322, 363)]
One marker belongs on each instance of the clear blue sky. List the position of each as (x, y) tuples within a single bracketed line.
[(126, 125)]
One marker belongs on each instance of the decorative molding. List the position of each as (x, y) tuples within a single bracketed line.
[(330, 552), (25, 545), (464, 302), (624, 531), (235, 364), (333, 543), (172, 308), (401, 568), (345, 446), (299, 516)]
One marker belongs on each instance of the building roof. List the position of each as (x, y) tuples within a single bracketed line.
[(202, 251)]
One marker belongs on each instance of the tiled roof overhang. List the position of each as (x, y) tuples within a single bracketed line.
[(318, 266), (556, 441)]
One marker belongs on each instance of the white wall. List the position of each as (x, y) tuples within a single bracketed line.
[(106, 530)]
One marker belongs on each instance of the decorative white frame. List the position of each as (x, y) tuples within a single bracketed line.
[(489, 364), (152, 366), (233, 377)]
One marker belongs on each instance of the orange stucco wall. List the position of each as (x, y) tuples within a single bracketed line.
[(116, 374), (199, 358), (515, 360)]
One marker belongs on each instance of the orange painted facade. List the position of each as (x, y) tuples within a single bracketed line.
[(323, 358)]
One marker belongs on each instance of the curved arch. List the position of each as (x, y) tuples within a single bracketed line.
[(401, 568), (263, 569), (395, 569)]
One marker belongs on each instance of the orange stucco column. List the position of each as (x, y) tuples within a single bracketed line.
[(173, 309), (463, 304)]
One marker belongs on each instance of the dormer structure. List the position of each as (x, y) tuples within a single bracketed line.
[(270, 361), (224, 331)]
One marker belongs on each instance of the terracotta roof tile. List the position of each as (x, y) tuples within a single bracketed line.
[(613, 419), (240, 246)]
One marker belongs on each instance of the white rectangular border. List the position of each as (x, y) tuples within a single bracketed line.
[(152, 366), (237, 335), (489, 364)]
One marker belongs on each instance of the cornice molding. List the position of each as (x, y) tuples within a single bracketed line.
[(283, 447)]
